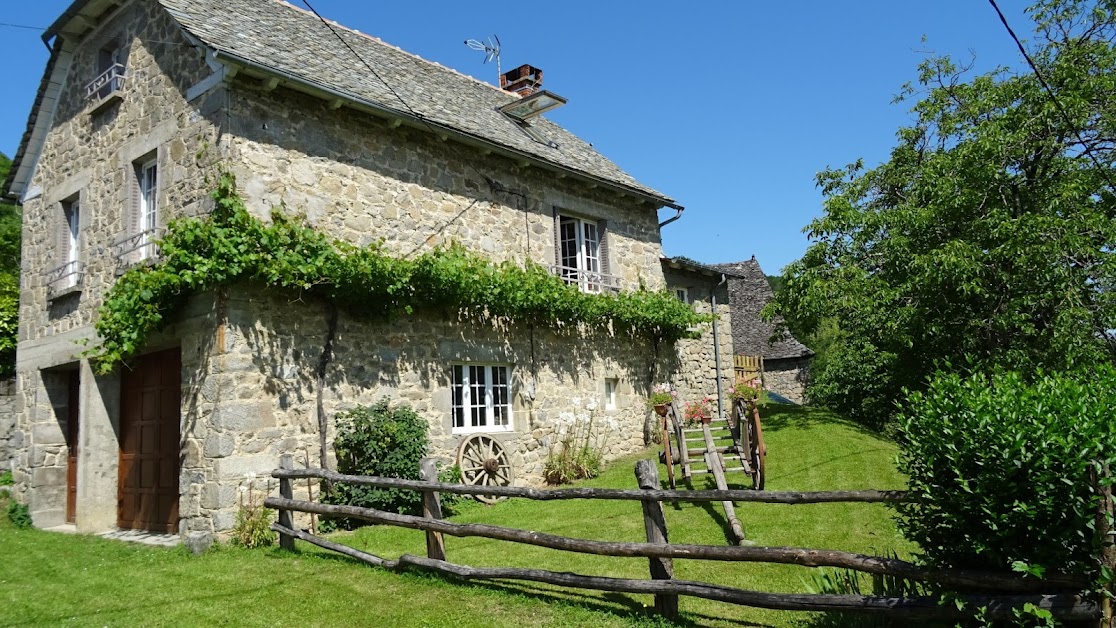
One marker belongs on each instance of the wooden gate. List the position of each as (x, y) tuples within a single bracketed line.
[(149, 443), (747, 367)]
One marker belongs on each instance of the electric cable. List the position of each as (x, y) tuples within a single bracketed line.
[(492, 184), (1054, 98)]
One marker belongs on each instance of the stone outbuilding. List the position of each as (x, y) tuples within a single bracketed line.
[(143, 102), (786, 361)]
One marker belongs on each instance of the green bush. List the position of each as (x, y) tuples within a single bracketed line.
[(253, 520), (6, 478), (999, 468), (382, 441), (19, 515)]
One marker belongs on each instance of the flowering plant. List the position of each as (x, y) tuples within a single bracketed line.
[(661, 394), (698, 411), (747, 390)]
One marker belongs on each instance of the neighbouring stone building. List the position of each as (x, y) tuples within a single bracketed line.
[(786, 361), (140, 106)]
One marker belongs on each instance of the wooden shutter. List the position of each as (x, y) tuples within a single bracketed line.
[(557, 236), (602, 250), (61, 236), (132, 203)]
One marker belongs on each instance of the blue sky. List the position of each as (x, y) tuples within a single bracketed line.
[(729, 107)]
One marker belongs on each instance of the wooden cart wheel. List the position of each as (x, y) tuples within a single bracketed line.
[(483, 462)]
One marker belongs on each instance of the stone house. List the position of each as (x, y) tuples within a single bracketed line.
[(786, 361), (143, 102)]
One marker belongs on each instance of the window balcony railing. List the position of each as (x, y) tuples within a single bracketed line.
[(585, 280), (65, 278), (108, 83), (138, 248)]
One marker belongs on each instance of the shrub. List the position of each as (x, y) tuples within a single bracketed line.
[(6, 478), (19, 515), (999, 468), (383, 441), (579, 452), (253, 521)]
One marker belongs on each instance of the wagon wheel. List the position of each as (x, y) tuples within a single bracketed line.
[(483, 462)]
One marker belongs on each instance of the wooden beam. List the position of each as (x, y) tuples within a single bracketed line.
[(270, 84), (394, 123), (336, 103), (1067, 607), (736, 495), (960, 578)]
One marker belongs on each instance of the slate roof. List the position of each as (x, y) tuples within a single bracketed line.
[(294, 42), (749, 291)]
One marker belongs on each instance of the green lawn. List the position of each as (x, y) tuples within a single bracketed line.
[(53, 579)]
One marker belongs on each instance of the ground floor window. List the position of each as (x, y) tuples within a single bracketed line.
[(481, 398)]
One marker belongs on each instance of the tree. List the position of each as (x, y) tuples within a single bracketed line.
[(986, 239), (10, 226)]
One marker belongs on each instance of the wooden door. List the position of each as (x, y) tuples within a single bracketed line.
[(149, 443), (72, 419)]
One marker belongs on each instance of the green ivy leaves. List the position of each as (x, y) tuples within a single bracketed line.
[(231, 246)]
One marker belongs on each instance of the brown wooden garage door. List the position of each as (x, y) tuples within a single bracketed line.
[(149, 443)]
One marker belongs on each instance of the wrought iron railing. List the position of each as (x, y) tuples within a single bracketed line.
[(138, 248), (109, 82), (65, 277), (586, 280)]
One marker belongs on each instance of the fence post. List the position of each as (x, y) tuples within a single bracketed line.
[(647, 475), (286, 463), (432, 509)]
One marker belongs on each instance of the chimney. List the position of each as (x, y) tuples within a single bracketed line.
[(524, 80)]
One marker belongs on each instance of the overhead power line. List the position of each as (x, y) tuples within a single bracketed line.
[(493, 185), (30, 28), (1054, 98)]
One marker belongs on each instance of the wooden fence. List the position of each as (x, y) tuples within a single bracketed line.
[(1000, 593)]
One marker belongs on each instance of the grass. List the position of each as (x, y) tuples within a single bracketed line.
[(53, 579)]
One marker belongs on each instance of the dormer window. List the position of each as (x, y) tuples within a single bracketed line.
[(110, 75)]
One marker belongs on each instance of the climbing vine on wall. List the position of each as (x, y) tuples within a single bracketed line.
[(230, 245)]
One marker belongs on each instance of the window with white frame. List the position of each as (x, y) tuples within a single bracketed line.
[(582, 254), (146, 208), (611, 385), (481, 398), (68, 273), (683, 294), (72, 211)]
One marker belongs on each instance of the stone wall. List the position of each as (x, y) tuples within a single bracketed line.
[(10, 439), (257, 397), (364, 180), (694, 373), (787, 377), (89, 155)]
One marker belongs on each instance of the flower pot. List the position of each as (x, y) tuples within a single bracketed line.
[(661, 409), (706, 419)]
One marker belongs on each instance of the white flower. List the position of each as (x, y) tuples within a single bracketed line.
[(576, 402), (243, 489), (566, 417), (251, 476), (592, 405)]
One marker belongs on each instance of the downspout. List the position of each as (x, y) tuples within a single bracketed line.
[(673, 218), (716, 341)]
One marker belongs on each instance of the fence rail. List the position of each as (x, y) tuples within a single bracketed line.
[(1056, 593)]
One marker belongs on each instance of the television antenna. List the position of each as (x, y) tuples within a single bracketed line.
[(491, 50)]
